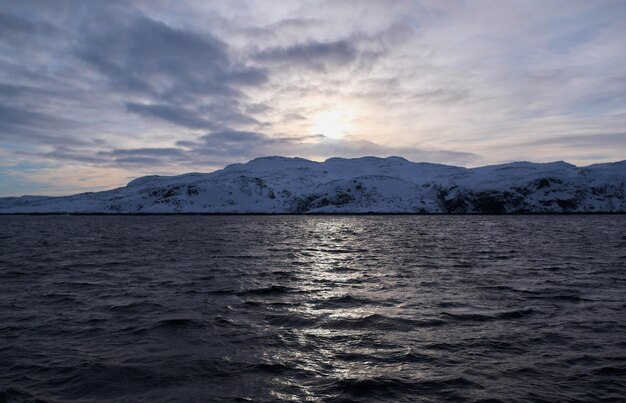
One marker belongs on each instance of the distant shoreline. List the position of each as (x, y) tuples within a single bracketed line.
[(357, 186)]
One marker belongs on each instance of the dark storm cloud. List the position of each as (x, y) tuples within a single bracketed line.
[(142, 57), (258, 108), (314, 55), (16, 117), (220, 145), (18, 27), (24, 125), (205, 117), (236, 143), (68, 154), (139, 161), (147, 56), (228, 113), (9, 90), (152, 152), (53, 81), (116, 157), (172, 114), (234, 136), (146, 156), (582, 140)]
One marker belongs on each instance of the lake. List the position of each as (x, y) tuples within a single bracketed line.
[(330, 308)]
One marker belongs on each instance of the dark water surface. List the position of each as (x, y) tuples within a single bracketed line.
[(332, 308)]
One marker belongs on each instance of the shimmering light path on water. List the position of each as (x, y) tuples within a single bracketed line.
[(362, 308)]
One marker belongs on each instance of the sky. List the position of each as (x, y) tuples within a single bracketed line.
[(96, 93)]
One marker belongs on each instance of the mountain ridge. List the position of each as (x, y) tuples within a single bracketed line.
[(278, 184)]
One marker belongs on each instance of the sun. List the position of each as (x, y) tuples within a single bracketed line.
[(331, 123)]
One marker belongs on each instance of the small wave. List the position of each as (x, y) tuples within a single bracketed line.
[(477, 317), (552, 268), (242, 257), (271, 290), (223, 292), (14, 394), (557, 296), (135, 307), (15, 273), (378, 387), (110, 380), (177, 323), (278, 369), (381, 322), (515, 314), (393, 357), (389, 388), (346, 300), (548, 337), (610, 371), (61, 297), (270, 368), (408, 356), (291, 320), (451, 304), (336, 250), (526, 371), (222, 321)]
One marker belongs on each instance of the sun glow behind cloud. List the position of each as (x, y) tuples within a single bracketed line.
[(334, 124)]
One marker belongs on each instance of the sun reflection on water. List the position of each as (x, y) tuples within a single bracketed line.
[(341, 297)]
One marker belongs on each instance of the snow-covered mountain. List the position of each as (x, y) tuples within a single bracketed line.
[(360, 185)]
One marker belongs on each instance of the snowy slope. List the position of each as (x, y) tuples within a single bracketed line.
[(369, 184)]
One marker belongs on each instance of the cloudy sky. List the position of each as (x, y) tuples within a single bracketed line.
[(95, 93)]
